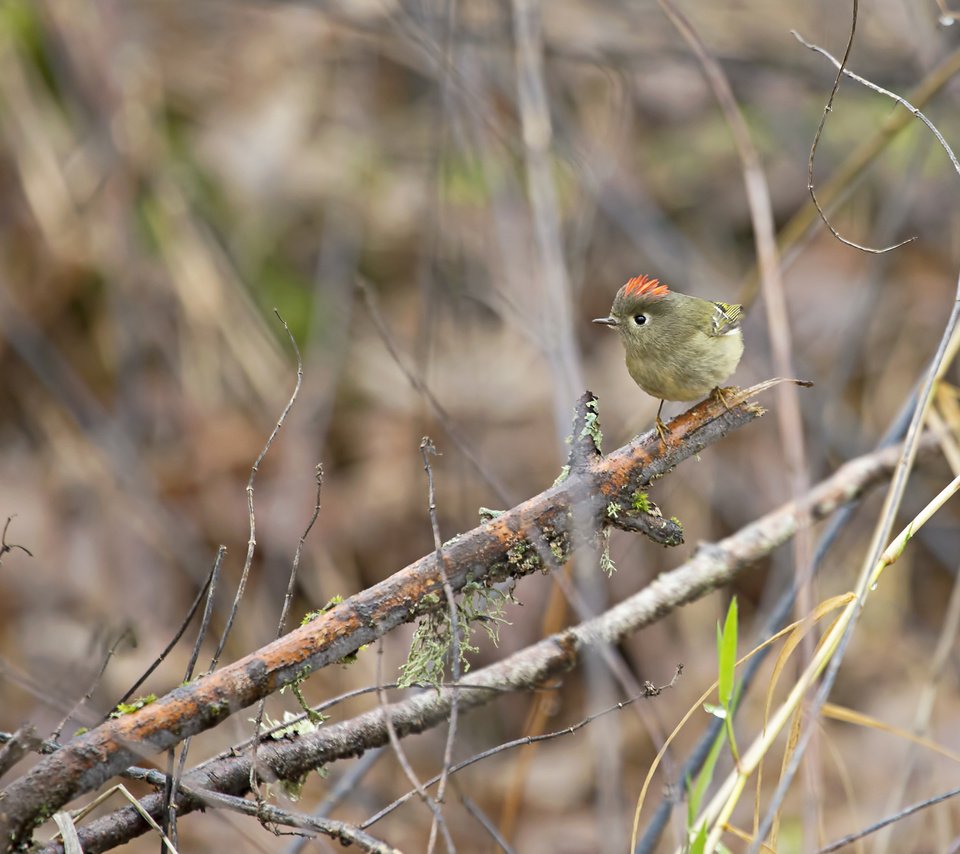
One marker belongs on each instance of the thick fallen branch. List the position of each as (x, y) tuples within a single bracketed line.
[(712, 567), (534, 536)]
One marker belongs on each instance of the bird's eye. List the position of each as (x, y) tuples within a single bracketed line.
[(640, 319)]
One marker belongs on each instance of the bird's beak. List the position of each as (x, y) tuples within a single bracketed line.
[(606, 321)]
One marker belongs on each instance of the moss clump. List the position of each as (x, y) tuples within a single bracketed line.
[(607, 566), (523, 557), (134, 706), (432, 647), (640, 502), (332, 602)]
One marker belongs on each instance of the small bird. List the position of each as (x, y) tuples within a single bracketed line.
[(678, 347)]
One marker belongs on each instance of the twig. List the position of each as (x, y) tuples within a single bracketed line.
[(126, 634), (827, 109), (46, 746), (344, 833), (401, 755), (285, 611), (295, 566), (650, 690), (903, 102), (206, 590), (135, 806), (427, 448), (211, 591), (891, 819), (172, 781), (18, 745), (252, 540), (939, 662), (472, 808), (421, 387), (9, 547), (667, 532), (320, 708), (834, 189), (716, 815), (346, 785)]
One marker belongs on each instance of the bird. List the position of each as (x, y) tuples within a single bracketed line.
[(678, 347)]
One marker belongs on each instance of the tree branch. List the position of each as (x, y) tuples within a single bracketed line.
[(511, 545), (529, 668)]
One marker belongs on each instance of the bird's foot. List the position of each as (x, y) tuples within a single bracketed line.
[(662, 430), (721, 393)]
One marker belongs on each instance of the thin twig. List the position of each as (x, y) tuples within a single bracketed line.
[(471, 807), (346, 785), (420, 386), (205, 590), (903, 102), (556, 338), (16, 745), (284, 613), (716, 815), (835, 189), (172, 781), (137, 808), (9, 547), (344, 833), (427, 448), (881, 535), (649, 690), (45, 747), (292, 580), (320, 708), (252, 540), (873, 828), (401, 755), (827, 109), (211, 589), (126, 634)]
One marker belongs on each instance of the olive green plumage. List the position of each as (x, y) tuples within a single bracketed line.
[(678, 347)]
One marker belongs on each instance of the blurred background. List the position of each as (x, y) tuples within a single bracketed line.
[(437, 198)]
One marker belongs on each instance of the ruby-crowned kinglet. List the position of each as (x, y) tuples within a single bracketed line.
[(678, 347)]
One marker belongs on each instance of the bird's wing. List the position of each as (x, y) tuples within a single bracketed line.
[(726, 318)]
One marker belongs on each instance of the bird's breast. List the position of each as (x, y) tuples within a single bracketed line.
[(687, 372)]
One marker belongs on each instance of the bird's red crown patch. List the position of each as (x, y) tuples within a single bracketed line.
[(642, 286)]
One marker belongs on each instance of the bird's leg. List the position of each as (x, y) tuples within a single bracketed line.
[(662, 428), (718, 393)]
